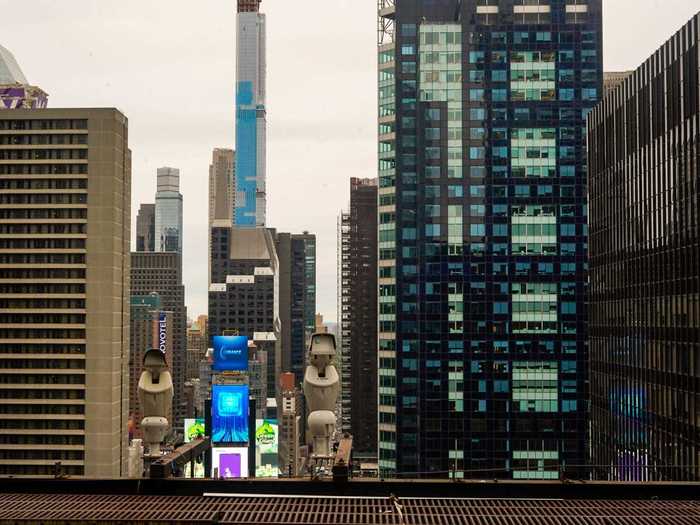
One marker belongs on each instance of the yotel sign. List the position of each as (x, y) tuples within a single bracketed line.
[(162, 332)]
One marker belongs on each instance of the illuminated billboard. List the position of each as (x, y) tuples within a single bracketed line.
[(229, 414), (229, 462), (266, 448), (194, 429), (230, 353)]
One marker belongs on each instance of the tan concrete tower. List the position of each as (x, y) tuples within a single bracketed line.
[(65, 192)]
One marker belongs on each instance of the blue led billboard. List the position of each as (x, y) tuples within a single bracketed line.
[(230, 353), (229, 414)]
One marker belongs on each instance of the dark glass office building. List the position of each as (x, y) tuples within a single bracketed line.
[(482, 235), (357, 315), (297, 299), (644, 155), (244, 292)]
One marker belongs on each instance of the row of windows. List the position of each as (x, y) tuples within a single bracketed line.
[(42, 258), (43, 169), (502, 38), (6, 318), (28, 140), (35, 229), (494, 134), (50, 455), (482, 346), (43, 154), (42, 379), (20, 348), (479, 76), (519, 114), (63, 124), (43, 213), (38, 198), (41, 440), (42, 184), (475, 270), (44, 408), (42, 244), (33, 289), (479, 191), (40, 471), (565, 56)]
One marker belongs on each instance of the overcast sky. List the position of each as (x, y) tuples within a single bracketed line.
[(169, 65)]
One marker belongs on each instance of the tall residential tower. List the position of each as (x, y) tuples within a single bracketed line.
[(250, 198), (482, 235)]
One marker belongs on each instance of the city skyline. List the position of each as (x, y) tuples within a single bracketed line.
[(205, 121)]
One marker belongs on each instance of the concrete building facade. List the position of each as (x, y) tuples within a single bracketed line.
[(65, 207)]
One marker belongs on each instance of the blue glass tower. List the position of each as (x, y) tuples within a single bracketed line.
[(483, 236), (250, 200)]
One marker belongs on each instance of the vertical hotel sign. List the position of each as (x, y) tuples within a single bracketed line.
[(162, 331)]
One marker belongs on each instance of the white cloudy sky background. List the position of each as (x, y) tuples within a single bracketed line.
[(169, 65)]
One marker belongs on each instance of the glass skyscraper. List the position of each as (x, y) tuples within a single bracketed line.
[(482, 235), (250, 198), (168, 221)]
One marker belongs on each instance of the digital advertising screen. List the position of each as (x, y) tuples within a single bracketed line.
[(194, 429), (229, 414), (229, 462), (230, 353), (266, 448)]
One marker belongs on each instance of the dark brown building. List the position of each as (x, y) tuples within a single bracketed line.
[(357, 316), (146, 228)]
